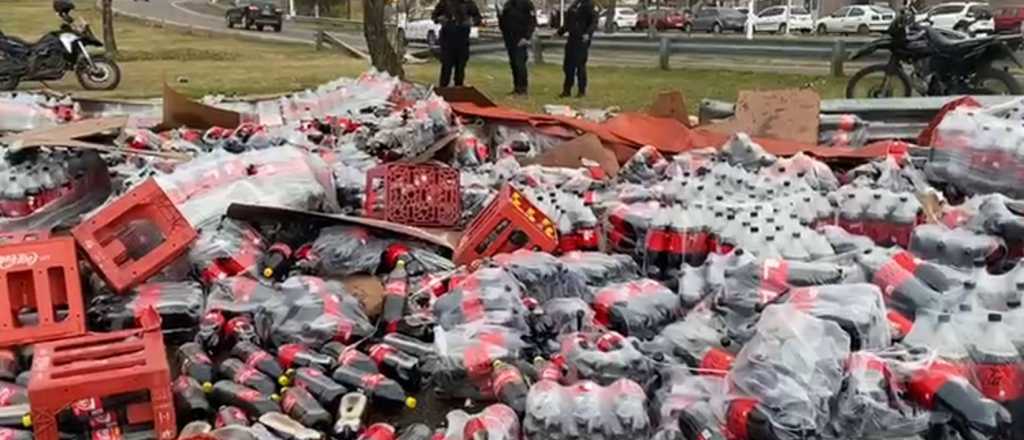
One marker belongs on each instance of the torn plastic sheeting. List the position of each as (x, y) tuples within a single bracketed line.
[(283, 176)]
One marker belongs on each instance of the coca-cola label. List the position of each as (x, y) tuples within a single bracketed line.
[(891, 276), (348, 357), (84, 407), (102, 419), (716, 362), (775, 275), (28, 259), (255, 358), (245, 374), (396, 288), (380, 351), (6, 434), (1000, 382), (288, 402), (181, 384), (7, 395), (250, 395), (507, 376), (372, 381)]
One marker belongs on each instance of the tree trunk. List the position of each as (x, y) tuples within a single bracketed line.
[(108, 28), (382, 53)]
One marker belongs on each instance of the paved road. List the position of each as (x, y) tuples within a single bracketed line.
[(201, 15), (182, 12)]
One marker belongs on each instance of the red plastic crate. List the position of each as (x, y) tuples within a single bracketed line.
[(39, 275), (104, 365), (509, 223), (414, 194), (135, 237)]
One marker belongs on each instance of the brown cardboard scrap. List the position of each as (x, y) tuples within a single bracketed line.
[(369, 290), (465, 94), (570, 154), (789, 114), (180, 111), (670, 104)]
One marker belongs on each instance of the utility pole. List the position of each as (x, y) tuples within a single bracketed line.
[(109, 43)]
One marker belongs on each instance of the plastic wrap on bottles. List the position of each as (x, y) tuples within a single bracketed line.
[(283, 177), (586, 410), (956, 247), (521, 140), (750, 283), (180, 306), (312, 311), (466, 356), (489, 295), (497, 421), (689, 407), (801, 166), (857, 308), (978, 150), (793, 366), (605, 358), (870, 404), (645, 166), (349, 166), (638, 308), (239, 295), (543, 276), (51, 189), (896, 274), (886, 217), (742, 151), (599, 269), (345, 250), (560, 316), (226, 250), (696, 342), (31, 111)]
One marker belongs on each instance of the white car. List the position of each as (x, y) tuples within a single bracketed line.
[(860, 19), (543, 18), (418, 26), (625, 18), (962, 17), (773, 19)]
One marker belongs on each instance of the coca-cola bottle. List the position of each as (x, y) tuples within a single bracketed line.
[(210, 327), (300, 405), (322, 387), (298, 355), (230, 416), (349, 356), (416, 431), (15, 202), (396, 291), (396, 364), (410, 345), (241, 374), (193, 361), (16, 434), (998, 370), (496, 422), (253, 402), (377, 386), (255, 357), (509, 386), (378, 431), (190, 399)]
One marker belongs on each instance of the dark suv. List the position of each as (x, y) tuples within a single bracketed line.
[(255, 13)]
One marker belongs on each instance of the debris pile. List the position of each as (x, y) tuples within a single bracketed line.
[(368, 261)]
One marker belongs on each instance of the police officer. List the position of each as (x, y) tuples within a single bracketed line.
[(517, 21), (456, 18), (580, 23)]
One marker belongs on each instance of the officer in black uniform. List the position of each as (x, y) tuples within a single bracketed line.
[(457, 18), (580, 23), (517, 21)]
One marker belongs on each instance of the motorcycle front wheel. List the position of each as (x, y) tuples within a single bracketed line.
[(989, 81), (104, 75), (878, 81)]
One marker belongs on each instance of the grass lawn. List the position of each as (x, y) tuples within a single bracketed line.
[(226, 65)]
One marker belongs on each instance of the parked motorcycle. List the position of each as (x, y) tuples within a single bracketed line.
[(935, 62), (56, 53)]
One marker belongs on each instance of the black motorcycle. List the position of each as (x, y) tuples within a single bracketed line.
[(56, 53), (935, 62)]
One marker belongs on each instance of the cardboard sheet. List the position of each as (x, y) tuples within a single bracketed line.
[(180, 110), (672, 105), (778, 114), (442, 237), (570, 154)]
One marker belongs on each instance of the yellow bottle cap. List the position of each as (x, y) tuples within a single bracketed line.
[(207, 387), (26, 420), (268, 272), (410, 402), (276, 397), (284, 380)]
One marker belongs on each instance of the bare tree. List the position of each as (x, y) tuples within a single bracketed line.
[(609, 23), (382, 52), (108, 28)]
